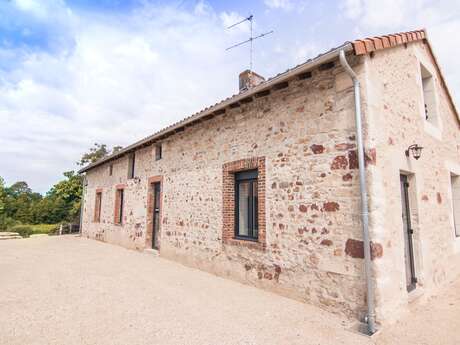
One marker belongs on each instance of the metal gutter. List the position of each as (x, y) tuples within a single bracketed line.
[(364, 200), (220, 107)]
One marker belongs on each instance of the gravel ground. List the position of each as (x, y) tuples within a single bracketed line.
[(69, 290), (430, 321)]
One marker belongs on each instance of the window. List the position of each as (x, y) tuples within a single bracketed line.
[(97, 207), (158, 152), (110, 169), (131, 164), (455, 184), (246, 210), (119, 200), (429, 97), (243, 203)]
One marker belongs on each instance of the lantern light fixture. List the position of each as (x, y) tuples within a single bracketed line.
[(416, 151)]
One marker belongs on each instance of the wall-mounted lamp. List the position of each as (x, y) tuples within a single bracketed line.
[(415, 150)]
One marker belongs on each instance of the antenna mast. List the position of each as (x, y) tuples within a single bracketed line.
[(250, 40)]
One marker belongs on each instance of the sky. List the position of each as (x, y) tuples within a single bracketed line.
[(77, 72)]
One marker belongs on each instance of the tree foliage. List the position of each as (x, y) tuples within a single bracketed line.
[(20, 205), (2, 194), (97, 152)]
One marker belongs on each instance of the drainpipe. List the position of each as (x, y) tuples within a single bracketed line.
[(370, 318)]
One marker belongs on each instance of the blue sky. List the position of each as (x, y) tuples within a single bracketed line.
[(77, 72)]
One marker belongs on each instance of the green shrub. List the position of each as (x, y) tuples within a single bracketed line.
[(23, 230), (6, 223)]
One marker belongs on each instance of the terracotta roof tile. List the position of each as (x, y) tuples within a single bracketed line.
[(386, 42), (403, 37), (369, 45), (378, 44), (392, 40), (359, 47)]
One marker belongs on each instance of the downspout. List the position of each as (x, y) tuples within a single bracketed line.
[(364, 202)]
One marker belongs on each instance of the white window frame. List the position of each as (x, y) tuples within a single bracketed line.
[(434, 127), (453, 169), (455, 202)]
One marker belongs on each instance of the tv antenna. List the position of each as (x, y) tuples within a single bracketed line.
[(251, 38)]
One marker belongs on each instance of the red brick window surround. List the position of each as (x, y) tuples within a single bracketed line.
[(119, 210), (98, 206), (229, 211)]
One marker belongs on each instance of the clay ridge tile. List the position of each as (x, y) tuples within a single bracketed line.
[(368, 45)]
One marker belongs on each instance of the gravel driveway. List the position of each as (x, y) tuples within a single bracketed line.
[(69, 290)]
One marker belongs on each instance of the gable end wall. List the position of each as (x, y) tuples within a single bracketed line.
[(394, 112)]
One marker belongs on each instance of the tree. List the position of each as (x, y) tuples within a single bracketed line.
[(16, 203), (4, 220), (20, 187), (116, 149), (51, 210), (2, 194), (97, 152), (20, 205), (67, 194)]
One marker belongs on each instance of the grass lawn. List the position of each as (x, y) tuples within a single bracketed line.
[(43, 228), (25, 230)]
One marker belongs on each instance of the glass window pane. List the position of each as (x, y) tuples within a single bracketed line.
[(243, 208), (120, 213), (255, 212), (455, 180)]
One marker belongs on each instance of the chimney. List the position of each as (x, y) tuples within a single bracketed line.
[(249, 79)]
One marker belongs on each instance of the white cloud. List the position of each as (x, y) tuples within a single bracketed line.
[(115, 84), (305, 51), (115, 77), (441, 19), (32, 6), (279, 4), (353, 8), (202, 8), (42, 9), (231, 18)]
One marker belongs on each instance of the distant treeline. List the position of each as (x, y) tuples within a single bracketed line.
[(20, 205)]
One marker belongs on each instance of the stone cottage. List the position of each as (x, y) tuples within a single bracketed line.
[(336, 182)]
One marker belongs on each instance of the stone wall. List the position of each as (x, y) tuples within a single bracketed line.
[(305, 133), (304, 136), (395, 116)]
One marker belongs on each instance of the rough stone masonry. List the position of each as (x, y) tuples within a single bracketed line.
[(300, 137)]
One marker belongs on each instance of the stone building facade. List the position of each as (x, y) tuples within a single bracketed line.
[(291, 141)]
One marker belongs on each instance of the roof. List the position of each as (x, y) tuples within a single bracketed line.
[(371, 44), (358, 47)]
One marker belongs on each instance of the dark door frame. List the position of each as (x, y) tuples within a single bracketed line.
[(156, 194), (154, 209), (410, 285)]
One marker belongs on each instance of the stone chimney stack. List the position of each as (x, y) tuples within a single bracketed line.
[(249, 79)]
